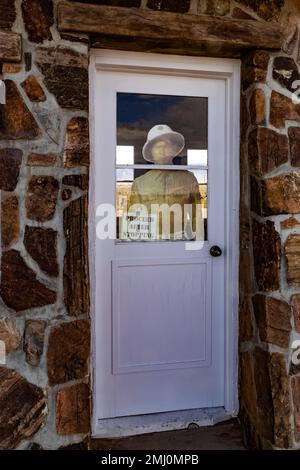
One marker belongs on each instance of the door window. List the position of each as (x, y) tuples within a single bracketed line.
[(161, 167)]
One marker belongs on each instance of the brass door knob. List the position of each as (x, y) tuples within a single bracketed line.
[(215, 251)]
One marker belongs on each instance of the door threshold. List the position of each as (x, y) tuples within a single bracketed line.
[(158, 422)]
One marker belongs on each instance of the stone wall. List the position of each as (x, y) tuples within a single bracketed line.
[(44, 289), (44, 303), (270, 241)]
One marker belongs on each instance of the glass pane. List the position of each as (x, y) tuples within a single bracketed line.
[(161, 204), (139, 117)]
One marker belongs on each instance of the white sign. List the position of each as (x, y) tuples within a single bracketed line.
[(138, 226)]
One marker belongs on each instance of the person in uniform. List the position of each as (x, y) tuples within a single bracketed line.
[(166, 192)]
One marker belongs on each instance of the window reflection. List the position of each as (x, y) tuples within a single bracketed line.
[(169, 200)]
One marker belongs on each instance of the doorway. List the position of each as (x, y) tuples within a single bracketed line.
[(163, 236)]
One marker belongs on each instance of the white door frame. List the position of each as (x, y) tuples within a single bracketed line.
[(225, 69)]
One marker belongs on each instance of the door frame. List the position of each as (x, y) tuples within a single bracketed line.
[(225, 69)]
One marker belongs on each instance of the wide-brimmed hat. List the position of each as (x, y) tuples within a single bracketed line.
[(163, 132)]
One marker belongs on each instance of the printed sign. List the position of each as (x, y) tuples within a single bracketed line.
[(138, 226)]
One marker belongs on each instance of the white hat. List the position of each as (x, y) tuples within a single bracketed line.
[(162, 132)]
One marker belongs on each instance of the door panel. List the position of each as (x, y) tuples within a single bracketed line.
[(159, 304), (155, 323)]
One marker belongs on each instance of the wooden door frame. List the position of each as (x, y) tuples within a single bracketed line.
[(228, 70)]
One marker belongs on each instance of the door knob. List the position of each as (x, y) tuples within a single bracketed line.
[(215, 251)]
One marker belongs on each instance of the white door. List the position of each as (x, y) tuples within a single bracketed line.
[(159, 301)]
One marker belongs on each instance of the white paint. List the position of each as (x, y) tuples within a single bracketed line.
[(219, 79), (174, 420)]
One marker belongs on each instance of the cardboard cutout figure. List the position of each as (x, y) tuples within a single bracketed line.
[(171, 194)]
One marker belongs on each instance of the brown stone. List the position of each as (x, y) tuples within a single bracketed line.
[(23, 409), (38, 18), (33, 344), (254, 68), (11, 68), (244, 228), (295, 301), (41, 159), (245, 320), (283, 109), (16, 121), (7, 14), (10, 162), (244, 176), (245, 117), (264, 401), (10, 222), (10, 47), (285, 71), (251, 438), (60, 55), (78, 181), (33, 89), (246, 272), (178, 6), (41, 197), (294, 141), (272, 417), (247, 392), (241, 14), (66, 194), (281, 194), (19, 288), (76, 279), (65, 75), (281, 400), (41, 244), (292, 253), (289, 223), (77, 148), (298, 55), (73, 410), (267, 254), (273, 317), (68, 352), (9, 334), (28, 61), (296, 401), (218, 7), (267, 150), (268, 9), (256, 195), (257, 107), (290, 34)]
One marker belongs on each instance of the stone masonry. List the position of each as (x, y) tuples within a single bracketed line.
[(270, 237), (44, 152), (44, 287)]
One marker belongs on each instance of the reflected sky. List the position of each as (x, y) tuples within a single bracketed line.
[(138, 113)]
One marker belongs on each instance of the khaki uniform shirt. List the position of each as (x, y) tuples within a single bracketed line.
[(169, 187)]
